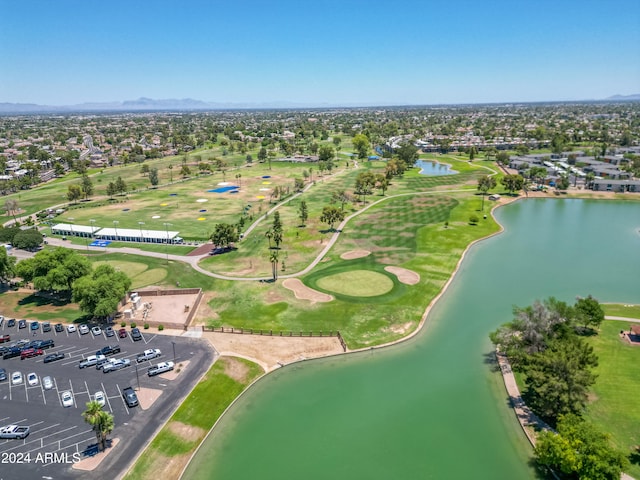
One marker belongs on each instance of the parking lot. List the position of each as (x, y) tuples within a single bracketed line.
[(58, 435)]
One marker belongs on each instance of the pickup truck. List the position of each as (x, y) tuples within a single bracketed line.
[(130, 397), (14, 431), (160, 368), (109, 350), (91, 360), (115, 364), (149, 355)]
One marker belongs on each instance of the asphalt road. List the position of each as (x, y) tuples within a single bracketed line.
[(58, 435)]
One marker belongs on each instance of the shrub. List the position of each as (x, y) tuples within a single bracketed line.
[(473, 219), (133, 324), (146, 326), (160, 328), (123, 324)]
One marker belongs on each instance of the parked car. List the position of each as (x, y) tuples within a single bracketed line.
[(12, 352), (11, 322), (16, 378), (35, 325), (32, 379), (31, 352), (100, 398), (71, 328), (135, 334), (130, 397), (162, 367), (58, 327), (44, 344), (96, 331), (149, 354), (22, 324), (83, 329), (115, 364), (5, 338), (53, 357), (109, 332), (67, 399), (14, 431), (109, 350), (90, 361), (46, 327), (3, 374), (122, 333), (47, 383)]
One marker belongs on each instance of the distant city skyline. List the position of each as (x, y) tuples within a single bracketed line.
[(325, 53)]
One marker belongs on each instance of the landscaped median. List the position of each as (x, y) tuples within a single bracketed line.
[(169, 452)]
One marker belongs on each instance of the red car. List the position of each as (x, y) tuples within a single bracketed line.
[(5, 338), (31, 352), (122, 333)]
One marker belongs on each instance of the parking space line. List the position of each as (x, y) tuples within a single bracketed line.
[(41, 439), (151, 339), (75, 404), (46, 428), (104, 390), (25, 391), (55, 383), (122, 398), (59, 442), (44, 398)]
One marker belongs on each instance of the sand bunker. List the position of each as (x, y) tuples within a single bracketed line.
[(353, 254), (302, 292), (405, 276)]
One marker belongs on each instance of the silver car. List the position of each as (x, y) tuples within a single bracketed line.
[(47, 383)]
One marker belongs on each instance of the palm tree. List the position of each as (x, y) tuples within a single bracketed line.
[(269, 235), (101, 422), (273, 258)]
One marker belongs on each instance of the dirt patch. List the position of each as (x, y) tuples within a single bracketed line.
[(274, 297), (302, 292), (408, 277), (235, 369), (201, 250), (272, 352), (173, 374), (186, 432), (147, 397), (355, 254)]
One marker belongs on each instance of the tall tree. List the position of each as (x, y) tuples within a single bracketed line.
[(326, 153), (330, 215), (153, 177), (361, 145), (273, 258), (589, 312), (341, 196), (54, 270), (276, 228), (303, 213), (558, 378), (74, 193), (7, 265), (407, 153), (512, 182), (100, 292), (364, 184), (11, 206), (224, 234), (486, 183), (579, 450), (101, 422), (121, 186), (86, 186)]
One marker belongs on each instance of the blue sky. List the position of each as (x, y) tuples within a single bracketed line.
[(367, 52)]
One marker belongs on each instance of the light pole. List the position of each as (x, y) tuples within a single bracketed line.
[(166, 227), (141, 236), (115, 224), (174, 352), (137, 377), (71, 219)]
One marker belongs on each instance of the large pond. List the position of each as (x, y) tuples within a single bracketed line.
[(434, 169), (431, 407)]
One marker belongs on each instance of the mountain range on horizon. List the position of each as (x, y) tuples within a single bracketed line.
[(189, 104)]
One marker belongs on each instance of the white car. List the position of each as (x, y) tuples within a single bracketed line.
[(71, 328), (16, 378), (47, 383), (32, 379), (99, 397), (67, 399), (96, 331), (83, 329)]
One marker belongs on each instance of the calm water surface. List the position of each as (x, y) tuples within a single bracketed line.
[(431, 408), (434, 169)]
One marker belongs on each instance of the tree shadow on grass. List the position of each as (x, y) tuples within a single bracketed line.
[(40, 300), (634, 456)]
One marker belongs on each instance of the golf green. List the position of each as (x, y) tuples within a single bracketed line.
[(357, 283)]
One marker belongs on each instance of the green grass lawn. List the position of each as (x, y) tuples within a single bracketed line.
[(201, 409), (621, 310), (615, 395)]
